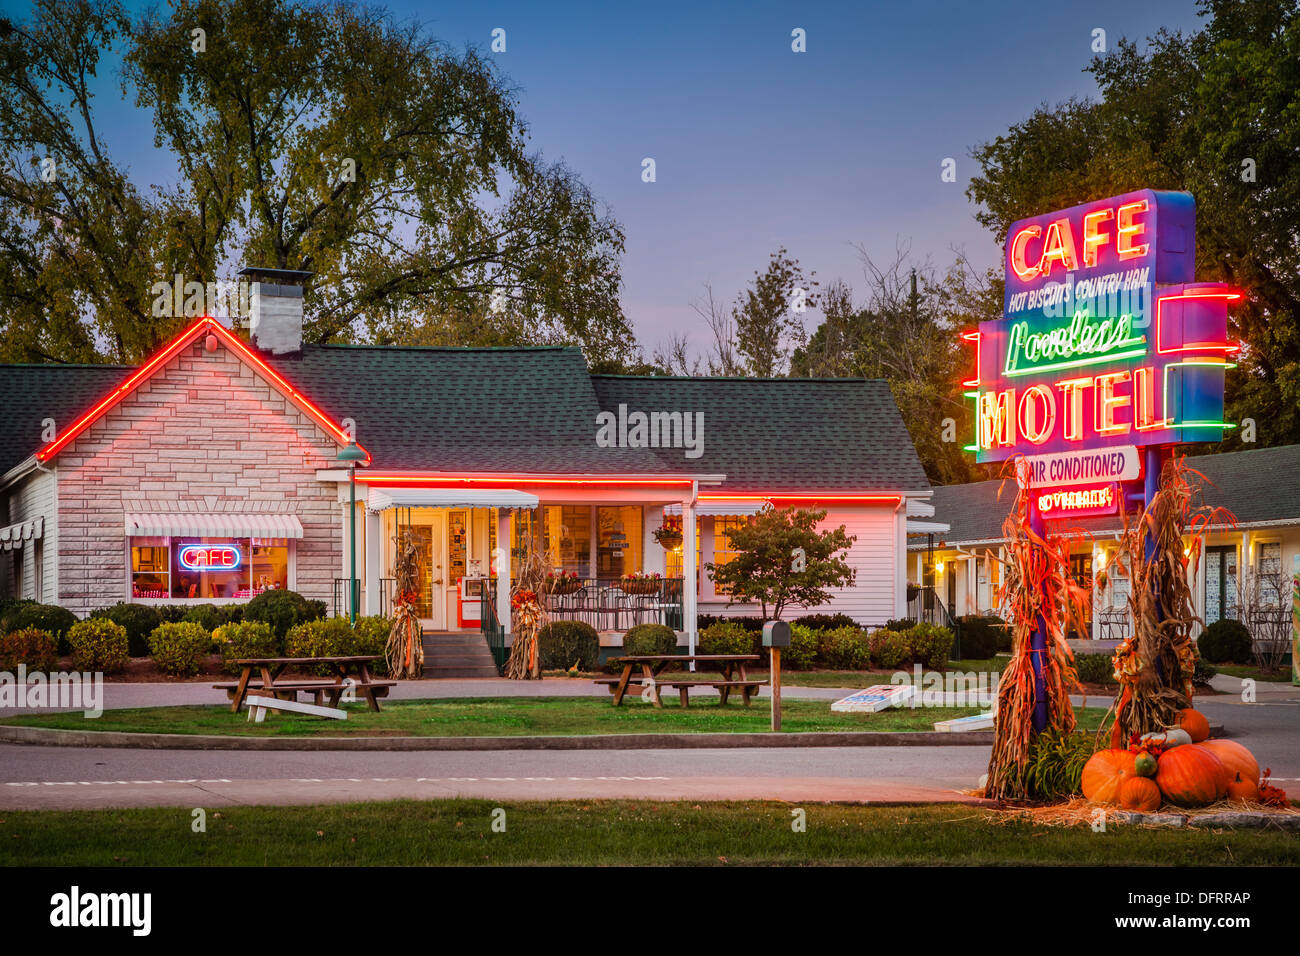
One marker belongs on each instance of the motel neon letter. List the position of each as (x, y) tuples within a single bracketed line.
[(1108, 402), (1072, 399), (997, 418), (1037, 414)]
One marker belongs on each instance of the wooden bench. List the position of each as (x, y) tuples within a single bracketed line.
[(653, 676), (291, 688), (258, 706)]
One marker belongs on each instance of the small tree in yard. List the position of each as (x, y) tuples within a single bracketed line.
[(783, 561)]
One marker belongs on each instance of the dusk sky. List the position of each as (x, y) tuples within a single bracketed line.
[(757, 146)]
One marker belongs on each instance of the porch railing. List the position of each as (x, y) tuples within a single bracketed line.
[(494, 631), (926, 607), (387, 587), (605, 605), (341, 606)]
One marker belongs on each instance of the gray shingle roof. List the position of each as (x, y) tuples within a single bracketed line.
[(534, 410), (1260, 486), (29, 394), (784, 434)]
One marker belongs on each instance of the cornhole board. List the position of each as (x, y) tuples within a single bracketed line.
[(960, 724), (874, 698), (258, 706)]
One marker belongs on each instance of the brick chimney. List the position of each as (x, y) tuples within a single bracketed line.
[(275, 308)]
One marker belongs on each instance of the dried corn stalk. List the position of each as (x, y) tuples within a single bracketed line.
[(1155, 665), (528, 617), (1036, 580), (404, 651)]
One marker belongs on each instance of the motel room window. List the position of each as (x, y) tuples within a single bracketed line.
[(566, 530), (674, 561), (618, 541), (1271, 584), (203, 568), (723, 552)]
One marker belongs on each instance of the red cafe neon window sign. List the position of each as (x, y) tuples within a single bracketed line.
[(211, 557)]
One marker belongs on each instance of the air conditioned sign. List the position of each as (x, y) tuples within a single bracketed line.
[(1081, 502), (211, 557), (1105, 340)]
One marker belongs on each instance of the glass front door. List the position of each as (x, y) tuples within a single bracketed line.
[(1220, 583), (430, 604)]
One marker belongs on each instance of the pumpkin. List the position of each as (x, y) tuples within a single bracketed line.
[(1168, 738), (1222, 776), (1241, 788), (1191, 776), (1104, 772), (1235, 757), (1145, 764), (1139, 793), (1194, 722)]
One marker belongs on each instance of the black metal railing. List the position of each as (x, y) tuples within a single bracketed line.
[(494, 631), (341, 606), (387, 591), (926, 607), (612, 604)]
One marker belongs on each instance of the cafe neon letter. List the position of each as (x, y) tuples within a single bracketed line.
[(211, 557)]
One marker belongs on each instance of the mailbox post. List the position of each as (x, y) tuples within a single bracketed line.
[(776, 635)]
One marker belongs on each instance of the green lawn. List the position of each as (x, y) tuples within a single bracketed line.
[(515, 716), (459, 832), (828, 678), (508, 716), (1281, 676)]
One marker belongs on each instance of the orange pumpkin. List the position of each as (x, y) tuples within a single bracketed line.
[(1235, 757), (1104, 772), (1239, 788), (1139, 793), (1194, 722), (1191, 776)]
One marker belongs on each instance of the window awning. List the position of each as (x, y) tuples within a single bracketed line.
[(720, 508), (381, 499), (14, 535), (215, 525)]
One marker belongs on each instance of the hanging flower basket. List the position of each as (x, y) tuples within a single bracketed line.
[(669, 536), (564, 582), (641, 583)]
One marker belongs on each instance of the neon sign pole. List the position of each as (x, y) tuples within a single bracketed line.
[(1108, 353)]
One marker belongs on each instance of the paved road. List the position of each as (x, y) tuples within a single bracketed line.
[(74, 778)]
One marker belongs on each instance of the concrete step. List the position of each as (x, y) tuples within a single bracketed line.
[(457, 655), (452, 673)]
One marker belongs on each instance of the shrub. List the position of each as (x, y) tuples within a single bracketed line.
[(805, 646), (321, 637), (825, 622), (1095, 668), (1201, 676), (167, 614), (50, 618), (138, 620), (98, 644), (727, 637), (749, 622), (929, 645), (36, 649), (243, 640), (900, 624), (845, 648), (1225, 642), (649, 639), (889, 649), (283, 610), (208, 615), (561, 644), (980, 636), (371, 637), (1054, 769), (179, 649)]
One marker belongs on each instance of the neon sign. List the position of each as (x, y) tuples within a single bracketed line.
[(211, 557), (1079, 502), (1105, 341)]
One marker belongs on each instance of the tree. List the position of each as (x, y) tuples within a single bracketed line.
[(907, 332), (325, 138), (766, 319), (1216, 113), (782, 561)]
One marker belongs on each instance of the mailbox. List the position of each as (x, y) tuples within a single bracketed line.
[(776, 634)]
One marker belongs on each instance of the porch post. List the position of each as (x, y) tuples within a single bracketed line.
[(374, 548), (504, 542), (689, 596)]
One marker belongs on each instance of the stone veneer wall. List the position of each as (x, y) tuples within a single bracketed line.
[(205, 434)]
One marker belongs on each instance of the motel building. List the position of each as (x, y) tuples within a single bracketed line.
[(211, 473), (1244, 573)]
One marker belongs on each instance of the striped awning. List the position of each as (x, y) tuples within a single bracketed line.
[(381, 499), (215, 525), (14, 535)]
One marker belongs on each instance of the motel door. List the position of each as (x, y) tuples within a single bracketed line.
[(431, 604), (1220, 583)]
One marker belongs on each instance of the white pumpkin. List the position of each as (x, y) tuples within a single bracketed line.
[(1169, 738)]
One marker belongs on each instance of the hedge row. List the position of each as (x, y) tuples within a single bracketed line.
[(845, 647)]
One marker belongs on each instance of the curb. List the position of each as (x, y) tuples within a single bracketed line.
[(40, 736)]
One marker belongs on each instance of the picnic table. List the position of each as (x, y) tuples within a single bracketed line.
[(653, 676), (274, 684)]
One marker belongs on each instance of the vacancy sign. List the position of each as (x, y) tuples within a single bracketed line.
[(1102, 465)]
